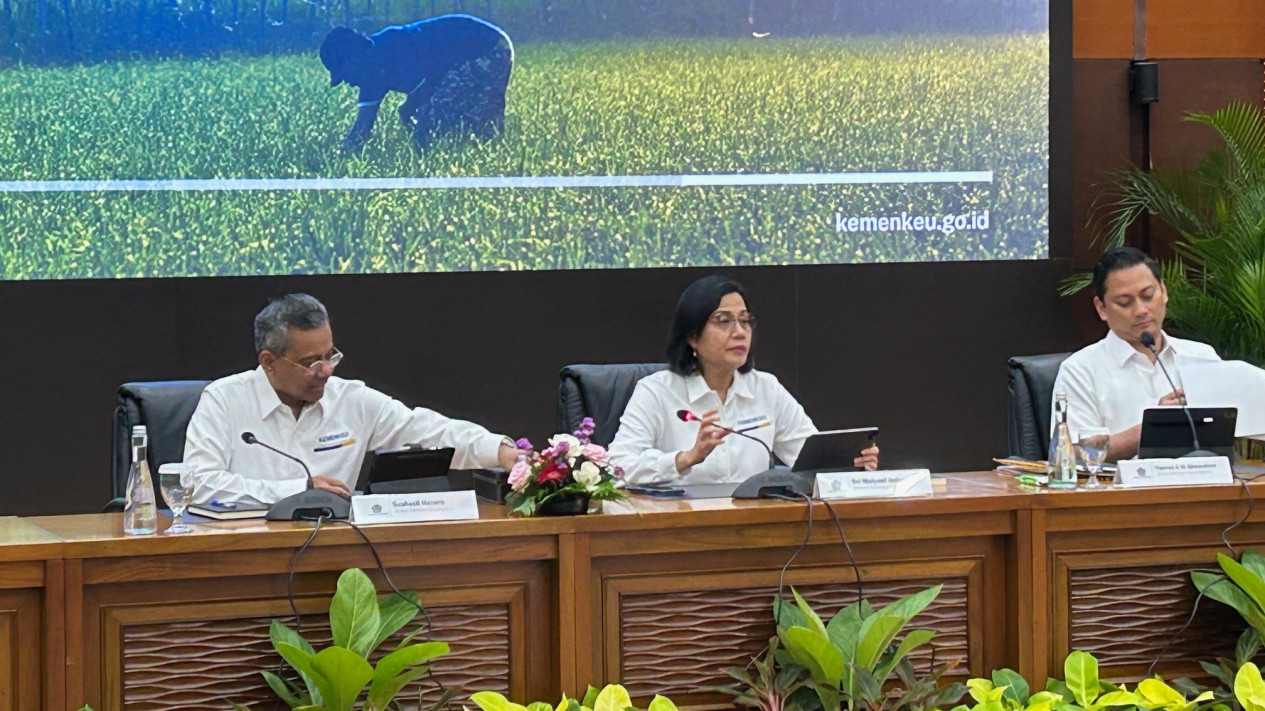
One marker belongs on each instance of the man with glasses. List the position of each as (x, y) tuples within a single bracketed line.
[(294, 402)]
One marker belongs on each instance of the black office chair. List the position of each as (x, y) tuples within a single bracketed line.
[(600, 392), (1029, 394), (165, 409)]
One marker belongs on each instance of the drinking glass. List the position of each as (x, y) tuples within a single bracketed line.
[(176, 484), (1093, 442)]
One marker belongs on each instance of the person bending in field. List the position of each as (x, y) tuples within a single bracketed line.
[(454, 69)]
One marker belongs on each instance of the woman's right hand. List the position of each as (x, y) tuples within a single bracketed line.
[(710, 436)]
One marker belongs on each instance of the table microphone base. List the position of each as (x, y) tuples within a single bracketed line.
[(310, 505), (1199, 453), (777, 482)]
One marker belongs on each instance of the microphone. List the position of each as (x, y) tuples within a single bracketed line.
[(250, 438), (1148, 340), (307, 505), (687, 416)]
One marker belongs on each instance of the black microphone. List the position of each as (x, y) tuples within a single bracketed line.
[(687, 416), (1148, 340), (250, 438), (307, 505)]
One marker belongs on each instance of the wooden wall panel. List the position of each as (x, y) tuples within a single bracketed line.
[(1205, 28), (1102, 29)]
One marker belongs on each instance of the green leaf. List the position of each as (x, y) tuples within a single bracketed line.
[(346, 674), (385, 675), (301, 661), (353, 614), (1248, 646), (843, 628), (492, 701), (1157, 693), (1016, 686), (816, 654), (1246, 579), (909, 606), (1226, 591), (393, 613), (661, 703), (283, 690), (539, 706), (613, 697), (281, 634), (787, 615), (912, 641), (814, 622), (590, 697), (1080, 669), (980, 689), (1116, 698), (875, 636), (381, 695), (1254, 562), (1248, 686)]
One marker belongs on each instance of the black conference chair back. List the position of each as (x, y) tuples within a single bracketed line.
[(165, 409), (598, 391), (1029, 394)]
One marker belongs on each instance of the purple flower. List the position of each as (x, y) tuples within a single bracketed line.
[(524, 443)]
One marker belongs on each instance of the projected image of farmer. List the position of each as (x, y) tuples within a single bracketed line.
[(454, 69)]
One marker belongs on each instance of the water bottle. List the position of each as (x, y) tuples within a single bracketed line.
[(140, 513), (1061, 468)]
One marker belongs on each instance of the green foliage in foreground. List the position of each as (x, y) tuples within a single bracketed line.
[(612, 697), (698, 106), (334, 679)]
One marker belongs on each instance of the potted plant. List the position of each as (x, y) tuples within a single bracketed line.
[(335, 678), (564, 477)]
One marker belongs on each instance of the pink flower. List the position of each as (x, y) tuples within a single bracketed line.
[(519, 475), (595, 453)]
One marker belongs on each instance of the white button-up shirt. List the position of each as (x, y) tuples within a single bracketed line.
[(1109, 384), (331, 436), (650, 434)]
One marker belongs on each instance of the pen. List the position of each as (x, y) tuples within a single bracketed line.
[(224, 504)]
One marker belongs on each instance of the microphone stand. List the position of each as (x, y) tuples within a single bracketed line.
[(308, 505), (1149, 341)]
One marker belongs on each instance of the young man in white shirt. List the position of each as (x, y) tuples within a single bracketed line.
[(293, 402), (1109, 384)]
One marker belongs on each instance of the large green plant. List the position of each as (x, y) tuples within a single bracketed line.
[(1241, 587), (1216, 285), (335, 677), (612, 697), (851, 657), (1081, 690)]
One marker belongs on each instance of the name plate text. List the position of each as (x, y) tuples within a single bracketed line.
[(892, 484), (1175, 472), (409, 508)]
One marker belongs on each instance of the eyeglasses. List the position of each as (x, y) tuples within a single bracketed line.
[(727, 320), (331, 359)]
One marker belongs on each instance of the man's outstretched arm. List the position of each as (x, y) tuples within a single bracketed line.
[(366, 114)]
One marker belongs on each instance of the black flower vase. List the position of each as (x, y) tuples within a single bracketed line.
[(570, 504)]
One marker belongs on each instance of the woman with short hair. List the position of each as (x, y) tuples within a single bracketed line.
[(711, 379)]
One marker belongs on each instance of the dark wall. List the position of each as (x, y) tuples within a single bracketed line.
[(917, 349)]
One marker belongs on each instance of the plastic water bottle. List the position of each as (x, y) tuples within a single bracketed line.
[(1061, 468), (140, 513)]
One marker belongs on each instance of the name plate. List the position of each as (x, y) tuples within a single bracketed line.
[(1175, 472), (892, 484), (410, 508)]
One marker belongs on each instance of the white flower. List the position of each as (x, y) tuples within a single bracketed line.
[(588, 474), (573, 445)]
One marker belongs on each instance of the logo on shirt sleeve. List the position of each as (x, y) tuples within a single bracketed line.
[(337, 440)]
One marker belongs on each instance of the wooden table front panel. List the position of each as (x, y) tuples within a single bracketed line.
[(673, 622), (1120, 586), (22, 635), (154, 642)]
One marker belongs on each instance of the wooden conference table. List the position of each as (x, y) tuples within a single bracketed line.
[(661, 595)]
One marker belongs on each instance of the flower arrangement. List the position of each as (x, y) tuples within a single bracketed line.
[(570, 468)]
